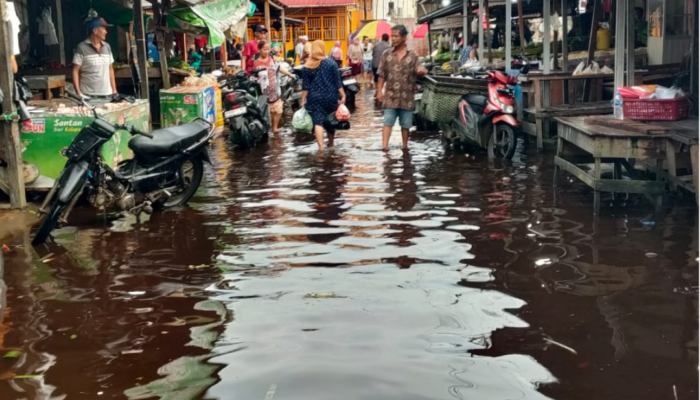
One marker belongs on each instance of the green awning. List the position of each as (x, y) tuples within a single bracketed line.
[(219, 17)]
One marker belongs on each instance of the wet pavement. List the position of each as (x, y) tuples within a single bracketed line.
[(356, 274)]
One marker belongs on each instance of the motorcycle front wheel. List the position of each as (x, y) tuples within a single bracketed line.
[(502, 143), (49, 222), (190, 176)]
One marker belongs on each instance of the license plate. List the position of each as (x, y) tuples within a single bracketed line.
[(417, 96), (349, 82), (236, 112)]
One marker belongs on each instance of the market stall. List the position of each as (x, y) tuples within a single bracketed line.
[(55, 123)]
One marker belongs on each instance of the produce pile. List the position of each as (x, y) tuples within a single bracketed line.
[(204, 80), (179, 63)]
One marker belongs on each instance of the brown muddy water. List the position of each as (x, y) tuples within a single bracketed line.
[(357, 274)]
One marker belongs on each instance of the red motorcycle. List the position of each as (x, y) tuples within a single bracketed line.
[(487, 121)]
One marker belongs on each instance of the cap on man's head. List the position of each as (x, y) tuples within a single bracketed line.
[(304, 37), (97, 23), (259, 28)]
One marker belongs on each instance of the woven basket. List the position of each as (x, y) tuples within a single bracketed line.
[(441, 96)]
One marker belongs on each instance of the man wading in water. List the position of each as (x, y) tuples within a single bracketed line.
[(397, 72)]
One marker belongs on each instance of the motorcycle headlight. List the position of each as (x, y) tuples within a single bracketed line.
[(508, 109)]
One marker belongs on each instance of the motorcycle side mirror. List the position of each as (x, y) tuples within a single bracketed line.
[(525, 69)]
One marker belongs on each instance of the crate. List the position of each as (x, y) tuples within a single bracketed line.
[(441, 96), (656, 109)]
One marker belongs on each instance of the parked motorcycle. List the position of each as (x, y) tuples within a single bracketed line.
[(349, 85), (166, 170), (487, 121), (246, 111), (290, 88)]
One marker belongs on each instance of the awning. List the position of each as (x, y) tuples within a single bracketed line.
[(452, 9), (219, 18), (317, 3)]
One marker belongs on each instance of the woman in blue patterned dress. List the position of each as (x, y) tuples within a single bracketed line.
[(322, 90)]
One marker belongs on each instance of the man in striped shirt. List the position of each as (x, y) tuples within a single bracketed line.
[(93, 74)]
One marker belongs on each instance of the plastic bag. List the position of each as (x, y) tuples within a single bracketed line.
[(667, 93), (579, 68), (302, 122), (593, 69), (637, 92), (342, 114), (607, 70)]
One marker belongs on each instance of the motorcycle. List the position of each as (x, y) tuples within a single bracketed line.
[(246, 111), (291, 88), (349, 85), (166, 170), (487, 121)]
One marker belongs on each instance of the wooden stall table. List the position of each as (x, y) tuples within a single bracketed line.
[(540, 88), (47, 83), (682, 154), (580, 142)]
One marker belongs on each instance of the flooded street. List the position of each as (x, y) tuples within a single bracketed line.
[(359, 274)]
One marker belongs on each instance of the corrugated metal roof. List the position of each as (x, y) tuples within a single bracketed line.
[(316, 3)]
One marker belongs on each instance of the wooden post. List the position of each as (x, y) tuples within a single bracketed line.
[(465, 22), (481, 32), (546, 40), (620, 26), (141, 52), (165, 75), (59, 32), (509, 34), (593, 38), (631, 36), (284, 35), (9, 131), (267, 20), (212, 56), (430, 43), (489, 39), (521, 26), (565, 38)]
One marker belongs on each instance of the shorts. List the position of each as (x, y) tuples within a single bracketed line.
[(405, 117), (367, 65), (276, 107)]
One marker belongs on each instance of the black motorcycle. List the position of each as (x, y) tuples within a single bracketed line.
[(349, 85), (246, 111), (166, 170)]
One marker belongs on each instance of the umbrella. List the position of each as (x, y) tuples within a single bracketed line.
[(373, 30), (421, 31)]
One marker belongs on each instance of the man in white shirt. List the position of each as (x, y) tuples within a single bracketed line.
[(299, 49)]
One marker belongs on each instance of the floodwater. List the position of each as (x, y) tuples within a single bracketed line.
[(356, 274)]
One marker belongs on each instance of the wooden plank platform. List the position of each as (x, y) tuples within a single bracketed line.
[(625, 124), (573, 110), (605, 144)]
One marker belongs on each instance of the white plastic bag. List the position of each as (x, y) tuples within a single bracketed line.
[(667, 93), (579, 68), (302, 122)]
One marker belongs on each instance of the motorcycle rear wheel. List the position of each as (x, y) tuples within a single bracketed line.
[(191, 173), (502, 143), (49, 222)]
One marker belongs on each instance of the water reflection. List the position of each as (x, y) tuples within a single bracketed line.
[(419, 275)]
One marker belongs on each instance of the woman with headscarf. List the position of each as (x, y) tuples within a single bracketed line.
[(355, 57), (337, 54), (322, 90)]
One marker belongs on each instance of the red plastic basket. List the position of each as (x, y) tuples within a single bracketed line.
[(656, 109)]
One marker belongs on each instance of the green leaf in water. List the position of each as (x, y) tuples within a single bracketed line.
[(73, 337), (12, 354), (27, 376)]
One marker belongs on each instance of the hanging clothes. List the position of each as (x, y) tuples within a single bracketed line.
[(13, 19), (46, 27)]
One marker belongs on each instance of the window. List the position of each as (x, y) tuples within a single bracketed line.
[(330, 28), (315, 28), (656, 17)]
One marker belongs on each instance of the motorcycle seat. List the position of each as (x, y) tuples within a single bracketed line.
[(168, 141), (476, 100)]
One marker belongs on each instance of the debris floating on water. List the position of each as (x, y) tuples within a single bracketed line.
[(651, 255), (563, 346), (271, 392), (329, 295)]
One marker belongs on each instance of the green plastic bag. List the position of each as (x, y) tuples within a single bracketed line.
[(302, 122)]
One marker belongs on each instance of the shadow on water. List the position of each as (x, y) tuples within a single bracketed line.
[(359, 274)]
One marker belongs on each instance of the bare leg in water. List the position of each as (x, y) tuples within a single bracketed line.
[(386, 134), (318, 131), (276, 119)]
